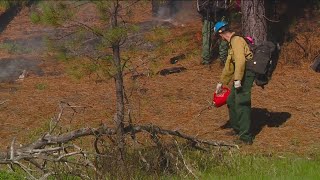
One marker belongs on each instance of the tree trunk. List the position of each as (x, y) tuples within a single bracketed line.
[(120, 101), (253, 20), (119, 85)]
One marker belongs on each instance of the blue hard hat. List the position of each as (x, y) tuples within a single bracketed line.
[(218, 26)]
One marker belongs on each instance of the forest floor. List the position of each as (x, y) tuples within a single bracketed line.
[(286, 114)]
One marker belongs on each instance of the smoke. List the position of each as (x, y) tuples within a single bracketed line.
[(178, 12), (24, 52), (11, 69)]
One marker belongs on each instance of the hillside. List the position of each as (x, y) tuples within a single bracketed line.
[(285, 114)]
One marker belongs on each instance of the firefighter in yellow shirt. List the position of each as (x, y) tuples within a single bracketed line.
[(239, 100)]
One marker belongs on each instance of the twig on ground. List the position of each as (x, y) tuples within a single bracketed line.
[(2, 102), (45, 176), (304, 49), (210, 105), (24, 168), (183, 160)]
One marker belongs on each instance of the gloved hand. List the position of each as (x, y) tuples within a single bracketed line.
[(237, 84), (219, 88)]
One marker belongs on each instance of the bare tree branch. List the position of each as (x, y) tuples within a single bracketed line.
[(158, 130), (184, 161), (39, 146), (25, 169)]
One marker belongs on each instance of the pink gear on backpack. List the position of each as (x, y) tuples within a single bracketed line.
[(250, 39), (238, 4)]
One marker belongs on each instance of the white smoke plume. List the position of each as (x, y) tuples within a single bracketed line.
[(178, 12)]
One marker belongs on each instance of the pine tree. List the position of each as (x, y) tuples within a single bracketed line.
[(6, 4), (253, 20), (111, 33)]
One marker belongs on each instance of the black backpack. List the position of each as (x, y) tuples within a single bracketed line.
[(316, 65), (264, 61)]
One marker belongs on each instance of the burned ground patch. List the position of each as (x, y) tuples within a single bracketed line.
[(12, 68)]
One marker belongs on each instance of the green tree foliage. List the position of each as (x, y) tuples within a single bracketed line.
[(98, 43), (52, 13), (6, 4), (74, 37)]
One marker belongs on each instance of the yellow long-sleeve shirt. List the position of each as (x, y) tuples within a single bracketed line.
[(239, 52)]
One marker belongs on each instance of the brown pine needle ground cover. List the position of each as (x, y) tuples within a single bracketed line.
[(286, 113)]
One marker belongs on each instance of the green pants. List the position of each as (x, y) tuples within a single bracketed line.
[(207, 32), (239, 104)]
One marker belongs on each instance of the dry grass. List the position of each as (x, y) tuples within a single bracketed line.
[(171, 101), (305, 46)]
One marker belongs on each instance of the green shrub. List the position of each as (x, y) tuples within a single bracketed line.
[(4, 175), (41, 86), (14, 48), (263, 167)]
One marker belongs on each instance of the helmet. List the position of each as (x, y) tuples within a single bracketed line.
[(218, 27)]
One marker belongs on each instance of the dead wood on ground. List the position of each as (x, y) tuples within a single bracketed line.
[(35, 158)]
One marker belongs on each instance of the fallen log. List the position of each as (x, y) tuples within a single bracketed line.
[(40, 145), (40, 157), (57, 148), (177, 58), (171, 70)]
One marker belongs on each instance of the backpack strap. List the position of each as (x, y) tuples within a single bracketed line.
[(234, 35), (245, 39)]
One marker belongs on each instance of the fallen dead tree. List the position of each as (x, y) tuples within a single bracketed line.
[(39, 158), (171, 70)]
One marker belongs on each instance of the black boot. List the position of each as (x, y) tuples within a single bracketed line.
[(227, 125)]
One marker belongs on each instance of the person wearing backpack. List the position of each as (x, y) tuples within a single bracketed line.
[(239, 100), (211, 11)]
